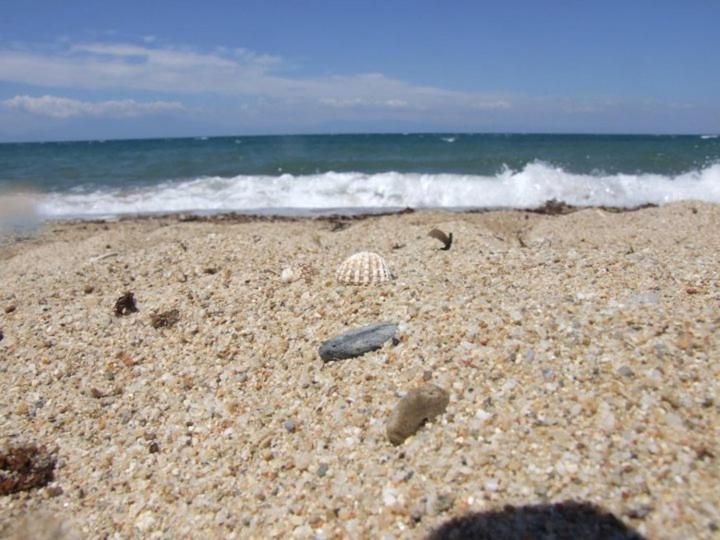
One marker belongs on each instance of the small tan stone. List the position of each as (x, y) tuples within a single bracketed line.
[(419, 405)]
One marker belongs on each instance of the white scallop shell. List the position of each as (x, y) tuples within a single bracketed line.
[(363, 268)]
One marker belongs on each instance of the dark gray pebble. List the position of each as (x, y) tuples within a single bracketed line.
[(357, 342), (322, 469)]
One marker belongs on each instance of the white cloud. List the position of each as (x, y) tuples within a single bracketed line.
[(491, 104), (235, 73), (395, 103), (60, 107), (356, 103)]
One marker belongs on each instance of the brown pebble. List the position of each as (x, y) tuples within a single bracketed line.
[(54, 491), (88, 289), (153, 447), (420, 405), (10, 308)]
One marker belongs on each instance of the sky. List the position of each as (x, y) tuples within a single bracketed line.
[(134, 69)]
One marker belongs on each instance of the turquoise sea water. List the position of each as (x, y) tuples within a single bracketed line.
[(91, 178)]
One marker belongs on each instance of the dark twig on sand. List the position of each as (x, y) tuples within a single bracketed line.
[(446, 239)]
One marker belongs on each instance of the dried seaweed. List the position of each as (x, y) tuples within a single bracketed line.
[(25, 467), (125, 305), (166, 319)]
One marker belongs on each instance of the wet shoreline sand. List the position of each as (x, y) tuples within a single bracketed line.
[(578, 349)]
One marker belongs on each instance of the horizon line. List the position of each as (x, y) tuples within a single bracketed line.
[(365, 133)]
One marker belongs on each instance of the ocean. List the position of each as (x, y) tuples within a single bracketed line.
[(353, 173)]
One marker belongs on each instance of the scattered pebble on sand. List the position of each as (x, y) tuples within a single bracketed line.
[(418, 406), (358, 341), (189, 423)]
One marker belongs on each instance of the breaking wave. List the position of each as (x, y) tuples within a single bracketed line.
[(530, 187)]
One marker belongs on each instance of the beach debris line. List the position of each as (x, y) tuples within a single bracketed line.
[(337, 225), (554, 207), (568, 519), (363, 268), (358, 341), (25, 467), (420, 405), (165, 319), (446, 239), (125, 305)]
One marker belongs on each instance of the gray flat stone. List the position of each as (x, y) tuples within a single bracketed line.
[(357, 342)]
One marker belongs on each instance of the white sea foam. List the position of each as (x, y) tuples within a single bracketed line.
[(708, 136), (529, 187)]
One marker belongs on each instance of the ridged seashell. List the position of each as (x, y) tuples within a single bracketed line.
[(363, 268)]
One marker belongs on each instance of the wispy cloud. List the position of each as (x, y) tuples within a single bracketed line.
[(61, 107), (228, 72), (358, 103)]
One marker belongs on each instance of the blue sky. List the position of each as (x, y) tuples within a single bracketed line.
[(96, 69)]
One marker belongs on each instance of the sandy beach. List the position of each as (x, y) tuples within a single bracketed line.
[(579, 352)]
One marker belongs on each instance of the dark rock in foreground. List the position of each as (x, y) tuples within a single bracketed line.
[(567, 520), (357, 342)]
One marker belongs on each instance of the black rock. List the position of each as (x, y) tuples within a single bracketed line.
[(566, 520), (357, 342)]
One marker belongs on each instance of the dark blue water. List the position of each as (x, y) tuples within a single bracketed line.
[(63, 166)]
